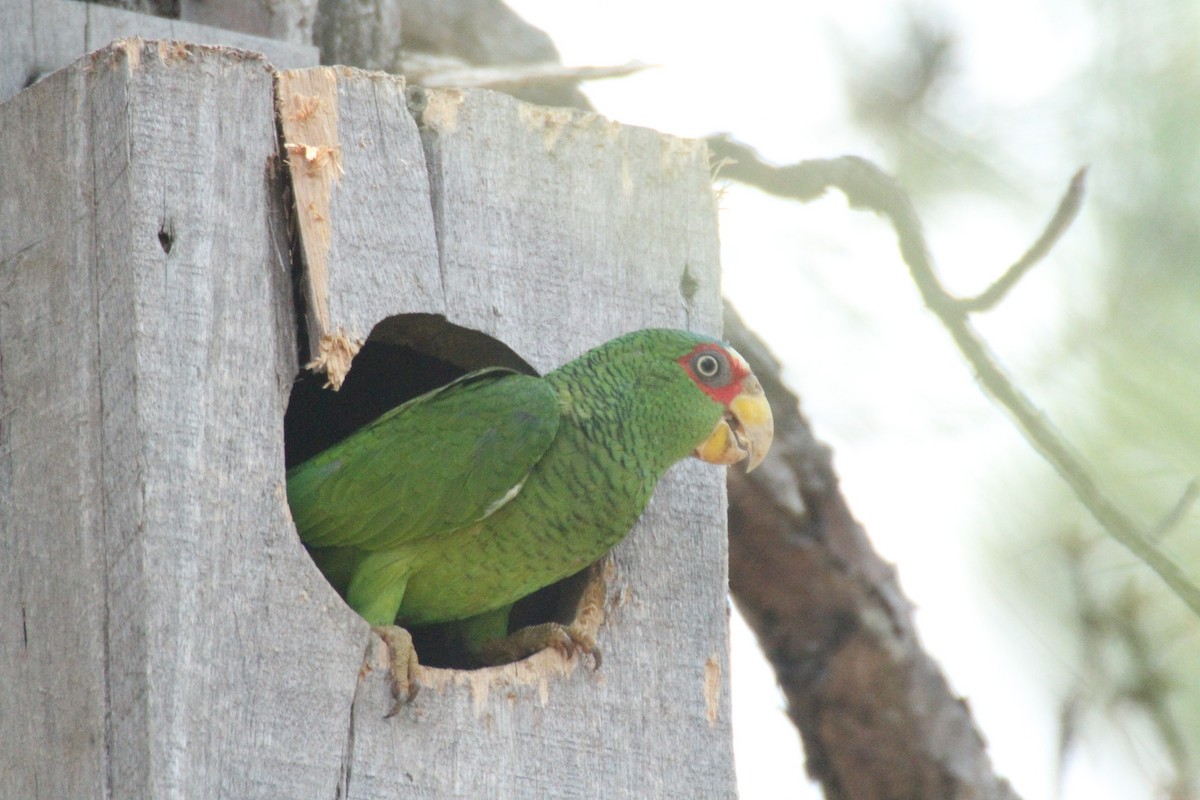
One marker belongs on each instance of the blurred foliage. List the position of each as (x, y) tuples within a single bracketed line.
[(1130, 400)]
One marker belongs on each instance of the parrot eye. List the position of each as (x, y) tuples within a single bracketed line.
[(711, 367)]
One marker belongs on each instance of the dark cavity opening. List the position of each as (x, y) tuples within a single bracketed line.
[(404, 357)]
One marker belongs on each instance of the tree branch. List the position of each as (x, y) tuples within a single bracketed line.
[(1068, 209), (867, 186), (434, 71)]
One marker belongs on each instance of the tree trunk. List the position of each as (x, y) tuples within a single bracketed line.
[(876, 715)]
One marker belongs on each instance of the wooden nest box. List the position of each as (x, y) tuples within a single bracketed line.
[(183, 228)]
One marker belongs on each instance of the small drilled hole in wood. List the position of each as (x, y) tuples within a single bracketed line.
[(166, 236), (406, 356), (688, 285)]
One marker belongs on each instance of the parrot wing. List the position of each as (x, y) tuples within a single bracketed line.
[(435, 464)]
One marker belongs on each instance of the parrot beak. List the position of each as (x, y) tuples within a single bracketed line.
[(745, 432)]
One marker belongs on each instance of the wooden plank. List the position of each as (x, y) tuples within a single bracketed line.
[(148, 353), (365, 34), (18, 66), (362, 206), (552, 215), (52, 605), (285, 20), (232, 618), (556, 231), (40, 37)]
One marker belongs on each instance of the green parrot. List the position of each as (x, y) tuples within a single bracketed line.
[(456, 504)]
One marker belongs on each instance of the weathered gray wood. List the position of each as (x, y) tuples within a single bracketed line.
[(556, 230), (159, 619), (159, 8), (552, 218), (365, 33), (162, 632), (285, 20), (39, 37), (362, 195), (51, 595)]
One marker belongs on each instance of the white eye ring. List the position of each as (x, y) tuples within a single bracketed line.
[(707, 365)]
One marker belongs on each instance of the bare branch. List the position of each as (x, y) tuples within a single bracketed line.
[(867, 186), (1182, 506), (1068, 209), (429, 70)]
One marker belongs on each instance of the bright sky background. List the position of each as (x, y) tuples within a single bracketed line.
[(916, 444)]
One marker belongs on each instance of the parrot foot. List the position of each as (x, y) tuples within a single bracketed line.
[(566, 639), (402, 664)]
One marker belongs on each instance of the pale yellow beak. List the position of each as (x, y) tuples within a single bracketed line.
[(745, 432)]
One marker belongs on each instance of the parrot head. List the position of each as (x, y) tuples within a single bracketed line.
[(746, 427), (674, 393)]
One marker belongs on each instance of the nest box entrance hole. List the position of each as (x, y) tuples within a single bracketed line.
[(405, 356)]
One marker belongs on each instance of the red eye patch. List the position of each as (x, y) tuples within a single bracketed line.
[(720, 387)]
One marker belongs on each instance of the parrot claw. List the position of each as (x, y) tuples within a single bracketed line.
[(566, 639), (571, 640), (402, 665)]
